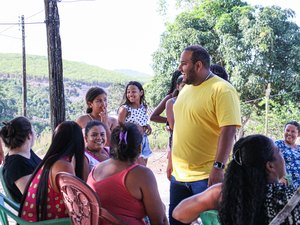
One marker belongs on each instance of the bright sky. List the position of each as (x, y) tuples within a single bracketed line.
[(113, 34)]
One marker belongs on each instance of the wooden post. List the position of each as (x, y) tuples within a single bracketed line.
[(56, 86), (24, 89), (268, 91)]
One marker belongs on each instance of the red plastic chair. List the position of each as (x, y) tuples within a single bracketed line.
[(82, 202)]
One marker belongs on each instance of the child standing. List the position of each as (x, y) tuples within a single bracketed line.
[(96, 100), (133, 109)]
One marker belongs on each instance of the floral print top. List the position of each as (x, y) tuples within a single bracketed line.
[(277, 195), (292, 161)]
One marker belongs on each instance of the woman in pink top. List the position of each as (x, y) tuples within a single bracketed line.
[(43, 200), (125, 188)]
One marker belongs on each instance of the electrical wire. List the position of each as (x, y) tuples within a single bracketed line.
[(257, 99), (15, 24), (35, 14), (19, 23), (72, 1), (10, 36), (6, 29)]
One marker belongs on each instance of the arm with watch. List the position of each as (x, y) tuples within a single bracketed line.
[(223, 151)]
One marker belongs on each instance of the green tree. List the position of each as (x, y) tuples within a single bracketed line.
[(261, 46), (196, 26), (257, 45)]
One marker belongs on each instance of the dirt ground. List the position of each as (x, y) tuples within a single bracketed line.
[(158, 164)]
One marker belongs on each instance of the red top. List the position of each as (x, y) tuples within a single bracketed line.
[(55, 204), (115, 197)]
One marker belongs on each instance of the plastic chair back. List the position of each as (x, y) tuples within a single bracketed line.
[(210, 217), (9, 209), (82, 202), (6, 191)]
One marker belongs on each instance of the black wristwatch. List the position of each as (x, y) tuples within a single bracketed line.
[(219, 165)]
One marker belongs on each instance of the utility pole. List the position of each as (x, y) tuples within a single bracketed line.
[(24, 89), (56, 86), (268, 92)]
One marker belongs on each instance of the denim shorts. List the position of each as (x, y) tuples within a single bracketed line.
[(146, 150)]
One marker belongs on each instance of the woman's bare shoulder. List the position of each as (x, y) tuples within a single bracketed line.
[(170, 102), (82, 120), (142, 173), (62, 165)]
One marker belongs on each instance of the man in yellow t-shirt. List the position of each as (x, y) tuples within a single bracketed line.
[(207, 113)]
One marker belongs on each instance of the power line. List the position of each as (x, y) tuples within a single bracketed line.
[(35, 14), (14, 24), (7, 29), (35, 22), (257, 99), (71, 1), (10, 36)]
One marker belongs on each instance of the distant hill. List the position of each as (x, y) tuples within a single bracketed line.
[(37, 66)]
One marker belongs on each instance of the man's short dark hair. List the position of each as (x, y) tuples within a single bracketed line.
[(219, 71), (199, 54)]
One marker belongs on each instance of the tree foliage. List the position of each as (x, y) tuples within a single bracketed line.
[(278, 116), (261, 47), (257, 46)]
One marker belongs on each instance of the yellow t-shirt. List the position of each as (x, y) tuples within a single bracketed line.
[(200, 112)]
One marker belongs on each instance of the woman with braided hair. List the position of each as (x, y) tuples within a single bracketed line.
[(20, 161), (251, 193), (125, 188)]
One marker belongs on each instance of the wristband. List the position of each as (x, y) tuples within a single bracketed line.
[(218, 165)]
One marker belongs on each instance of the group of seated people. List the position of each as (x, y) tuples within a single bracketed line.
[(253, 192), (128, 190)]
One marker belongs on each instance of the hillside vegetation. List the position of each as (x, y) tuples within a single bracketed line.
[(78, 78), (37, 67)]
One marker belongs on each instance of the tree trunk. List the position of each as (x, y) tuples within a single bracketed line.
[(56, 86)]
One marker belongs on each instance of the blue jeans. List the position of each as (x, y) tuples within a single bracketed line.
[(181, 190)]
